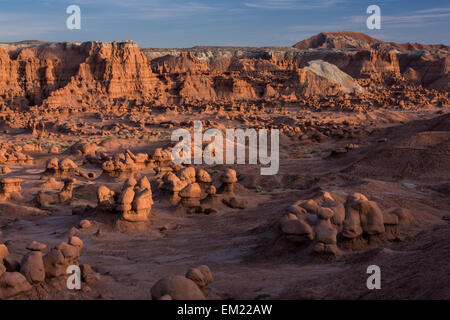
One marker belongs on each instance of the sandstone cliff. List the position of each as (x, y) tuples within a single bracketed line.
[(73, 75)]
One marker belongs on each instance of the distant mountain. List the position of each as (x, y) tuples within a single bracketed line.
[(356, 40)]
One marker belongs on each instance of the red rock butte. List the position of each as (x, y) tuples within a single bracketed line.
[(54, 75)]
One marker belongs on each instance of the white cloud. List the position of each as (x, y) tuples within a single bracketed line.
[(431, 10), (414, 19), (290, 4), (29, 25)]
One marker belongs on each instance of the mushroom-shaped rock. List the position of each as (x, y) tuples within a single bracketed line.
[(228, 180), (191, 191), (36, 246), (142, 204), (187, 174), (203, 176), (229, 176), (212, 198)]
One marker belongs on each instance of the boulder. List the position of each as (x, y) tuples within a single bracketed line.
[(191, 191), (143, 183), (229, 176), (173, 183), (11, 264), (32, 267), (85, 224), (12, 284), (178, 288), (325, 232), (310, 205), (371, 217), (202, 276), (296, 230), (203, 176), (187, 175)]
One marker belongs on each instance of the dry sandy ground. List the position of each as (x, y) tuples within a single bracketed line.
[(247, 255)]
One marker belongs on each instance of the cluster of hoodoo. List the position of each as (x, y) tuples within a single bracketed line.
[(332, 222), (125, 162), (19, 276), (194, 190), (65, 168), (133, 203)]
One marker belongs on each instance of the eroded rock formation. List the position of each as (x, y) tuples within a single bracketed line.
[(192, 286), (111, 75), (331, 223)]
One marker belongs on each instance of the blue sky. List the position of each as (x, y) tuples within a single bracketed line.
[(176, 23)]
